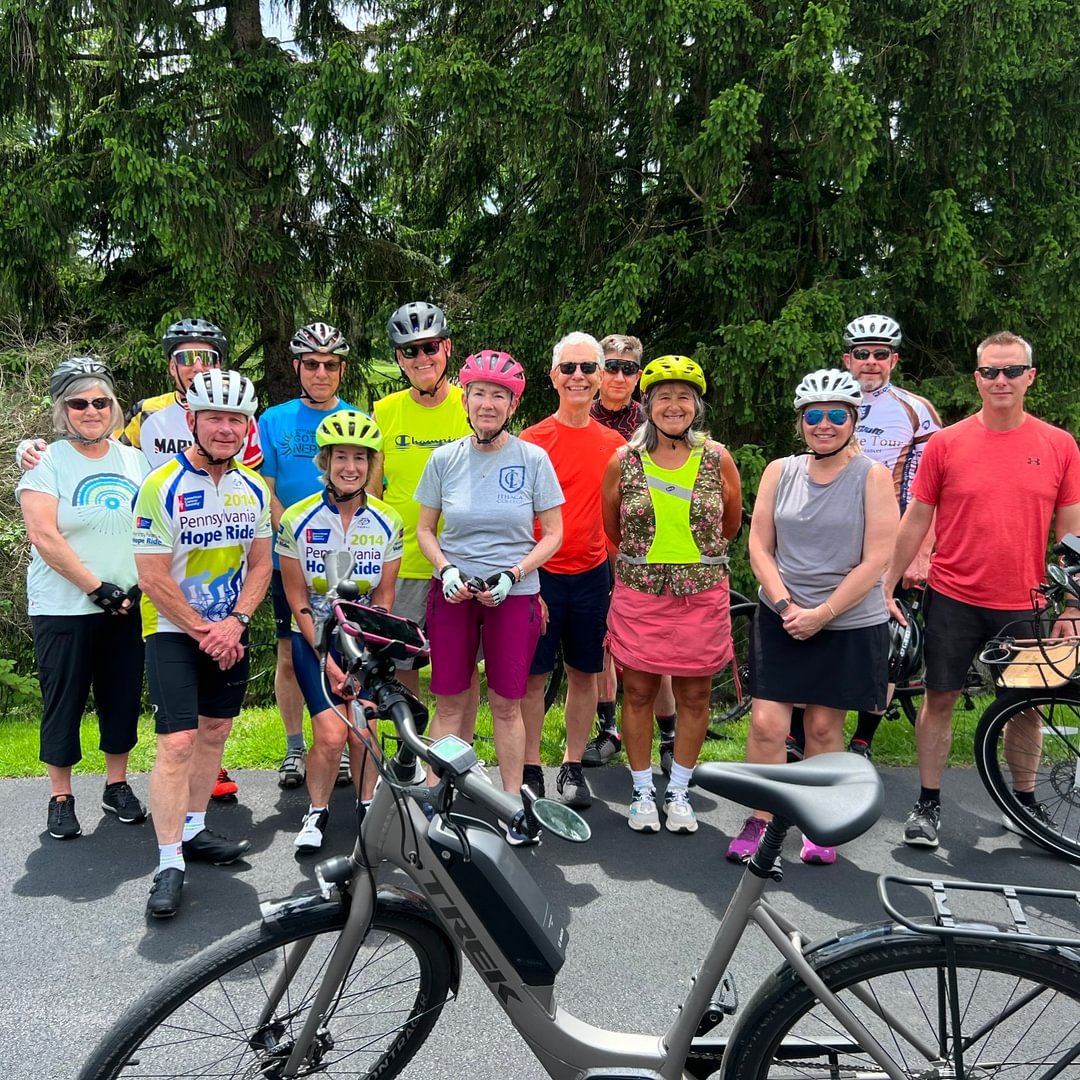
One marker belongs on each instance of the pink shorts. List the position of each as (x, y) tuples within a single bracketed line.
[(509, 633)]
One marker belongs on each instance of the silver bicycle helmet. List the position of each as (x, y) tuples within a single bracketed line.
[(872, 328), (188, 330), (223, 391), (319, 337), (827, 384), (75, 368), (418, 321)]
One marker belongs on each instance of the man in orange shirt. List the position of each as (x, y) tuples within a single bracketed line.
[(575, 583)]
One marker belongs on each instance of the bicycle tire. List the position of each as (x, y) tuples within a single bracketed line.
[(905, 974), (554, 681), (198, 1022), (1057, 774), (729, 697)]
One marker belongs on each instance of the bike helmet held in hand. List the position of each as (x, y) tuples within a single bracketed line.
[(347, 427), (872, 328), (672, 369), (492, 366), (827, 384), (75, 368), (418, 321), (188, 330), (905, 646), (222, 391), (319, 337)]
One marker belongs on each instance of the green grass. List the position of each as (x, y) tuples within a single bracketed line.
[(257, 741)]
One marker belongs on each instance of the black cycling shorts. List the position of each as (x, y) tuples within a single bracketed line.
[(185, 683)]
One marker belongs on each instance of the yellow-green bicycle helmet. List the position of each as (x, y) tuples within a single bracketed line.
[(672, 369), (346, 427)]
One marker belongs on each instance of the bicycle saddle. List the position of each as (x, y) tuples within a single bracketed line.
[(832, 798)]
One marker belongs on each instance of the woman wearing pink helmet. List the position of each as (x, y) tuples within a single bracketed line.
[(488, 489)]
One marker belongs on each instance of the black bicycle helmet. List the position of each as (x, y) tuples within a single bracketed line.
[(418, 321), (188, 330), (75, 368), (905, 646)]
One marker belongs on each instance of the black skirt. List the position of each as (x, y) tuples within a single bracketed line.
[(840, 669)]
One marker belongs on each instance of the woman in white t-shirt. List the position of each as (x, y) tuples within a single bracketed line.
[(81, 588)]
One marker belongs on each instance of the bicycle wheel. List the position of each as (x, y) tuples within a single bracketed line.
[(730, 696), (1040, 734), (554, 681), (1018, 1010), (204, 1019)]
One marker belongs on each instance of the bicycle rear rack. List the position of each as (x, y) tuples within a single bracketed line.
[(946, 924)]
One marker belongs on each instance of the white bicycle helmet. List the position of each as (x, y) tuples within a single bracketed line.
[(827, 384), (223, 391), (872, 328)]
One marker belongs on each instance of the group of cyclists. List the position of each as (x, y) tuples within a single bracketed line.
[(598, 535)]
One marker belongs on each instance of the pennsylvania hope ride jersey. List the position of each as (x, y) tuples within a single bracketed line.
[(207, 530), (312, 527)]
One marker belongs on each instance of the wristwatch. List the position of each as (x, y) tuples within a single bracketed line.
[(245, 620), (782, 604)]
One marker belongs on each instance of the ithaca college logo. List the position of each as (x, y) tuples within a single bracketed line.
[(512, 478), (191, 500)]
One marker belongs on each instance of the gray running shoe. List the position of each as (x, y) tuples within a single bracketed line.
[(572, 786), (921, 827), (601, 749), (293, 769)]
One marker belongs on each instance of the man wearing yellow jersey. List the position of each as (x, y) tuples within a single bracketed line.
[(413, 423), (201, 539)]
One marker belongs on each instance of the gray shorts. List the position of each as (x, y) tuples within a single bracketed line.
[(410, 602)]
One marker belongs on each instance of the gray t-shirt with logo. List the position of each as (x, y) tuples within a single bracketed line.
[(488, 501)]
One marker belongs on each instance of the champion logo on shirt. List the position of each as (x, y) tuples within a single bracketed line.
[(143, 523), (317, 536), (191, 500)]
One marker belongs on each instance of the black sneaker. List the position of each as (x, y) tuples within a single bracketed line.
[(921, 827), (63, 824), (667, 755), (120, 800), (572, 786), (1039, 812), (164, 900), (601, 749), (213, 848), (533, 776)]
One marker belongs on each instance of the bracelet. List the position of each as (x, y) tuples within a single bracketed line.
[(520, 571), (830, 607)]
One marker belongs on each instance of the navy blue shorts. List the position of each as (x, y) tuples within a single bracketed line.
[(282, 611), (577, 619), (309, 678)]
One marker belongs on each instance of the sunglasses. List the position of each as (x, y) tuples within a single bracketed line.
[(626, 367), (332, 366), (588, 367), (1012, 371), (865, 354), (188, 357), (836, 417), (429, 348), (81, 404)]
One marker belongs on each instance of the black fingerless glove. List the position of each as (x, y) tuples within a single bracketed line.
[(108, 597)]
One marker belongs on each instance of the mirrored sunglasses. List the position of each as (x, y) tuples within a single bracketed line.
[(1011, 371), (209, 358), (81, 404), (836, 417), (429, 348), (865, 354), (626, 367), (332, 366), (588, 367)]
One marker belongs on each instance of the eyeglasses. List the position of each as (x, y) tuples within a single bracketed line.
[(588, 367), (81, 404), (626, 367), (332, 366), (865, 354), (189, 357), (1011, 371), (836, 417), (429, 348)]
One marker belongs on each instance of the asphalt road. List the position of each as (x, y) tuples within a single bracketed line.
[(76, 949)]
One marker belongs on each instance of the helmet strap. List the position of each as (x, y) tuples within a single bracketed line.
[(832, 453), (492, 438), (345, 496), (681, 437), (305, 396)]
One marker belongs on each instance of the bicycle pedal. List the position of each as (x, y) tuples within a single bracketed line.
[(723, 1003)]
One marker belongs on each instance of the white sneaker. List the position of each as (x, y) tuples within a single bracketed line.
[(679, 815), (310, 836), (643, 816)]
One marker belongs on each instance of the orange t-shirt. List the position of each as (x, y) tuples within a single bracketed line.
[(580, 456)]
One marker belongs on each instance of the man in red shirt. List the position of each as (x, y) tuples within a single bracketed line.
[(995, 481), (575, 583)]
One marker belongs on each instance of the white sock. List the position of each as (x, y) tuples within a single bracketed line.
[(170, 857), (680, 775), (194, 824), (315, 809), (641, 779)]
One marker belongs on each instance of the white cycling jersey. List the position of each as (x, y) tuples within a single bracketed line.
[(893, 427)]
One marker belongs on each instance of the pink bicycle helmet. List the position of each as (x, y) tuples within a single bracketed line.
[(492, 366)]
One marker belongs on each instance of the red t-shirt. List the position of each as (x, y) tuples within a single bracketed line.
[(995, 493), (580, 456)]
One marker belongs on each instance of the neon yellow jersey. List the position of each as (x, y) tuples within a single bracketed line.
[(410, 433), (208, 530)]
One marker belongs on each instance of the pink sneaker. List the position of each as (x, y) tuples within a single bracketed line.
[(746, 843), (812, 853)]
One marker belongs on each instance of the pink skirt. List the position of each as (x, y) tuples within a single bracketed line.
[(670, 635)]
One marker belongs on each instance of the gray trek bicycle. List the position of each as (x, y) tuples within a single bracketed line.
[(349, 981)]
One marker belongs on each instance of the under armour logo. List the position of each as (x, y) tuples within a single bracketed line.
[(1034, 461)]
